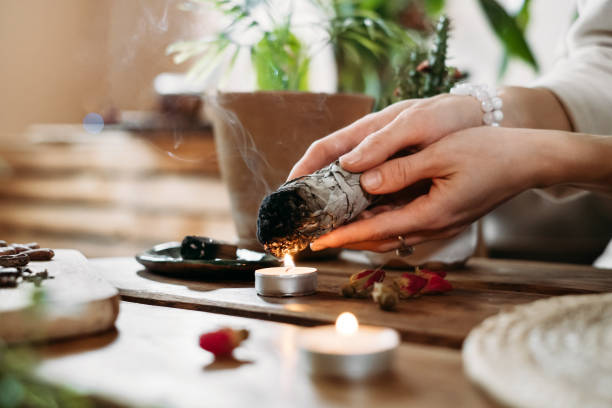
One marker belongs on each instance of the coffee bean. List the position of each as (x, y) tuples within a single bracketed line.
[(7, 251), (14, 272), (14, 260), (41, 254), (19, 248)]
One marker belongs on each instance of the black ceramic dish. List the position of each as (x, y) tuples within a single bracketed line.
[(166, 259)]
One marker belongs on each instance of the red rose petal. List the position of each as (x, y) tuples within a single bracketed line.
[(437, 284)]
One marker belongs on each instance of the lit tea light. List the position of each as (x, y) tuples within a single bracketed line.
[(287, 280), (348, 350)]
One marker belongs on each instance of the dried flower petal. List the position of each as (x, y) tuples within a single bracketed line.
[(385, 296), (361, 283), (436, 284), (409, 284)]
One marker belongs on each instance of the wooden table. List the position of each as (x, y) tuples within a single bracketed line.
[(153, 357), (482, 289)]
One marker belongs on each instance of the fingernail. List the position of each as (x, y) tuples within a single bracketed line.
[(371, 180), (316, 246), (351, 158)]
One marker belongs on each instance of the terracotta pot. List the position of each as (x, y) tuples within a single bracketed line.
[(260, 136)]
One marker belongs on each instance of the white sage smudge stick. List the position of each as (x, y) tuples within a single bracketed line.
[(307, 207)]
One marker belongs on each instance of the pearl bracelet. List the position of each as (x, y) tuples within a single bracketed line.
[(490, 103)]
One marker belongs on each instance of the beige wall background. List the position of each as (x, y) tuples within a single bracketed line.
[(62, 59)]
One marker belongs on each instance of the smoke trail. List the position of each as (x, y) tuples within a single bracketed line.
[(242, 140)]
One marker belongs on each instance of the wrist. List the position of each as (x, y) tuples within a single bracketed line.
[(533, 108), (571, 158)]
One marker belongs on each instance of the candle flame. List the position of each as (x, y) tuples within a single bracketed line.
[(288, 261), (347, 324)]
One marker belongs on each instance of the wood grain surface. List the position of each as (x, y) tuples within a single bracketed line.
[(75, 301), (112, 194), (153, 359), (66, 149), (482, 289)]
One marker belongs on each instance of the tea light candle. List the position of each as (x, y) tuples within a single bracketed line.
[(348, 350), (288, 280)]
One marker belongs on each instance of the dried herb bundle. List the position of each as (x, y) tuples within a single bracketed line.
[(305, 208)]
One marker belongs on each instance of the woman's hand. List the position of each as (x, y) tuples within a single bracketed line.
[(378, 136), (419, 122), (471, 172)]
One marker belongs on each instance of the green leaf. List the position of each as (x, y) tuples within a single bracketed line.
[(280, 61), (375, 48), (371, 4), (11, 392), (351, 52), (434, 7), (371, 81), (508, 32), (522, 17)]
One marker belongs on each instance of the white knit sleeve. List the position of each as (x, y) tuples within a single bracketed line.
[(582, 79)]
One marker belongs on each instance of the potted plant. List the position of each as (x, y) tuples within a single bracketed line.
[(259, 135)]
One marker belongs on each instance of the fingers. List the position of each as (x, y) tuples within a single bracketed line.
[(387, 245), (384, 245), (397, 174), (328, 149), (403, 131), (421, 124), (418, 215)]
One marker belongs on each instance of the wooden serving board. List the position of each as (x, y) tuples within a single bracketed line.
[(76, 301), (483, 288)]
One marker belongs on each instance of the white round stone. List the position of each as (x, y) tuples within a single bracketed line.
[(486, 105), (497, 103), (487, 118), (498, 115)]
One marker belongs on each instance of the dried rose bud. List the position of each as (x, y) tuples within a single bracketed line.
[(223, 341), (385, 296), (436, 284), (361, 283), (409, 284)]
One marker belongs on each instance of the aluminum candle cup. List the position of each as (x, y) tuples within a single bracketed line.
[(286, 281), (358, 353)]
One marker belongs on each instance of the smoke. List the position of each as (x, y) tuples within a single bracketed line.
[(159, 23), (241, 140)]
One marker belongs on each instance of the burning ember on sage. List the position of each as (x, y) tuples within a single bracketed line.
[(303, 209)]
